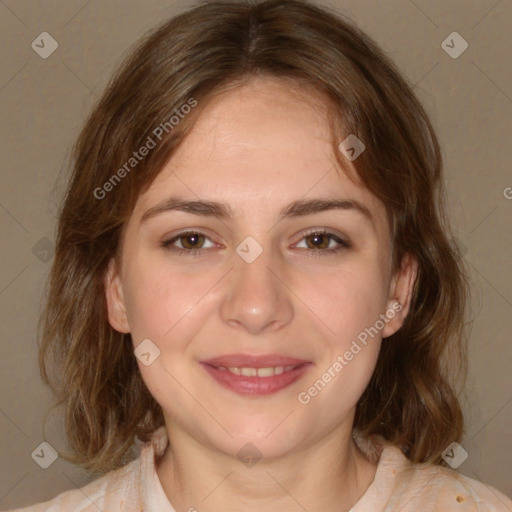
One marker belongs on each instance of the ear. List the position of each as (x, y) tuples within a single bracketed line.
[(400, 295), (115, 299)]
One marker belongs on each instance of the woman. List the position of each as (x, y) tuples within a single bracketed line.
[(253, 279)]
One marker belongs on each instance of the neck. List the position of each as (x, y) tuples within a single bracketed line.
[(328, 475)]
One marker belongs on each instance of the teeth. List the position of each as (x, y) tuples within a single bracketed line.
[(269, 371), (266, 372)]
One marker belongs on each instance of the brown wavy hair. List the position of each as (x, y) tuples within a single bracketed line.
[(411, 399)]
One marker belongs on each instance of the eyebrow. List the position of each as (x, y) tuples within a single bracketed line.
[(297, 208)]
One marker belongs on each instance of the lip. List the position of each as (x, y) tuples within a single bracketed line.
[(255, 386)]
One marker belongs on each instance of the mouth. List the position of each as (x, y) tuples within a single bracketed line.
[(255, 375)]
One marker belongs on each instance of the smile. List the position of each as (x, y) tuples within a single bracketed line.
[(258, 376)]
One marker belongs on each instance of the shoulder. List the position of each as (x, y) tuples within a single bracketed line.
[(400, 484), (132, 488), (429, 487), (444, 489), (117, 491)]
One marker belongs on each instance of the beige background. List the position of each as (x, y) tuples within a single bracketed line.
[(44, 103)]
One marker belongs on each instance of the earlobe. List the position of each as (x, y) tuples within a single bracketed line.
[(400, 297), (115, 299)]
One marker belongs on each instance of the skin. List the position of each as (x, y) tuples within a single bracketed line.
[(258, 148)]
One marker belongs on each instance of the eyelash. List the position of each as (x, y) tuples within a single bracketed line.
[(313, 252)]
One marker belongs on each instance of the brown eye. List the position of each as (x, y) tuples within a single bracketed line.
[(318, 242), (190, 242)]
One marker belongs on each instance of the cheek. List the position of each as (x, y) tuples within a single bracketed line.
[(347, 357), (165, 303), (155, 300), (350, 307), (349, 301)]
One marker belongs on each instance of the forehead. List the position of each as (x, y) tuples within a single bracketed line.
[(259, 146)]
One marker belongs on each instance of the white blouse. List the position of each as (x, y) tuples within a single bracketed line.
[(398, 485)]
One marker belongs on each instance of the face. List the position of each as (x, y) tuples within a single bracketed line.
[(288, 288)]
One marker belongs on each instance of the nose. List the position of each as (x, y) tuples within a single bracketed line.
[(256, 297)]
